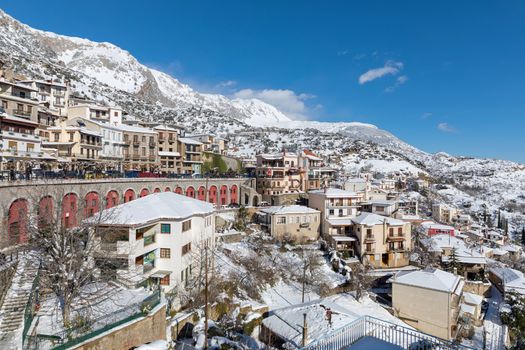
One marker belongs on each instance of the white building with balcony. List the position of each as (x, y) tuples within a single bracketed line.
[(158, 239), (19, 143)]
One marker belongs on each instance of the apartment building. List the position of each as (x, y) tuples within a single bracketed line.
[(76, 140), (383, 242), (18, 100), (380, 207), (278, 174), (51, 95), (157, 247), (444, 213), (111, 115), (295, 223), (18, 142), (191, 154), (337, 207), (428, 300), (211, 143), (318, 175), (140, 148), (169, 149)]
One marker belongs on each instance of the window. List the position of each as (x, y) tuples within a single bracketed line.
[(165, 281), (165, 228), (71, 135), (4, 104), (281, 220), (331, 212), (391, 231), (400, 231), (186, 248), (165, 253), (186, 225)]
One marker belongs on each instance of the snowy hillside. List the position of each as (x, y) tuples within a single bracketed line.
[(107, 73)]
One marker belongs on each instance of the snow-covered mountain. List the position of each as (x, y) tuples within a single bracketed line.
[(90, 63), (105, 72)]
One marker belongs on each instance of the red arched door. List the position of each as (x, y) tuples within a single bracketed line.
[(69, 210), (201, 194), (92, 204), (45, 211), (233, 194), (224, 194), (144, 192), (18, 221), (167, 189), (178, 190), (212, 195), (129, 195), (190, 192), (112, 199), (157, 190)]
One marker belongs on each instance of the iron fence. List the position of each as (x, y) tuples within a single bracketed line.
[(368, 326)]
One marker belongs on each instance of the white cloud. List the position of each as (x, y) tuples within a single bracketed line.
[(287, 101), (446, 127), (227, 83), (399, 81), (426, 115), (390, 68)]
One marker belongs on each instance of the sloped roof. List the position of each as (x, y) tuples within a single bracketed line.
[(289, 209), (431, 279), (334, 193), (370, 219), (164, 205)]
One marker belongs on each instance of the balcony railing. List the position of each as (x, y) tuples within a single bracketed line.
[(149, 240), (21, 112), (368, 327)]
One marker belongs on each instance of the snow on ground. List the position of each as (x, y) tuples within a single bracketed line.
[(100, 300), (287, 321), (492, 323), (386, 166)]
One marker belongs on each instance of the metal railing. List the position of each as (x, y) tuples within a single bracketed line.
[(371, 327), (74, 336)]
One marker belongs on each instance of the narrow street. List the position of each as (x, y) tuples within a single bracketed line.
[(492, 323)]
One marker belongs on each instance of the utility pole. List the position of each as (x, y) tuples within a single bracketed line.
[(305, 330), (304, 279), (206, 296)]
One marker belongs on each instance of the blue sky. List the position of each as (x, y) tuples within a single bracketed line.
[(441, 75)]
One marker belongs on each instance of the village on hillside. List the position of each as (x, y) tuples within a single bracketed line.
[(196, 247)]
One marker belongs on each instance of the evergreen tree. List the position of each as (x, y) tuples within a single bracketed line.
[(453, 262), (523, 236)]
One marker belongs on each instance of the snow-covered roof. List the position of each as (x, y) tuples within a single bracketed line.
[(467, 308), (12, 118), (136, 129), (339, 238), (167, 128), (154, 207), (370, 219), (340, 221), (287, 322), (513, 280), (334, 193), (431, 278), (289, 209), (380, 203), (187, 140), (473, 299)]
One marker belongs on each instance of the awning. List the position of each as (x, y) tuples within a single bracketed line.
[(160, 274)]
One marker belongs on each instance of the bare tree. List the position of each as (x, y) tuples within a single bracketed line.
[(66, 247), (361, 280)]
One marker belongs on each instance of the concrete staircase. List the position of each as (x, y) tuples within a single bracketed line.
[(13, 309)]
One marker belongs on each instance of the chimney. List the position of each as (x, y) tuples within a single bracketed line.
[(455, 271)]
